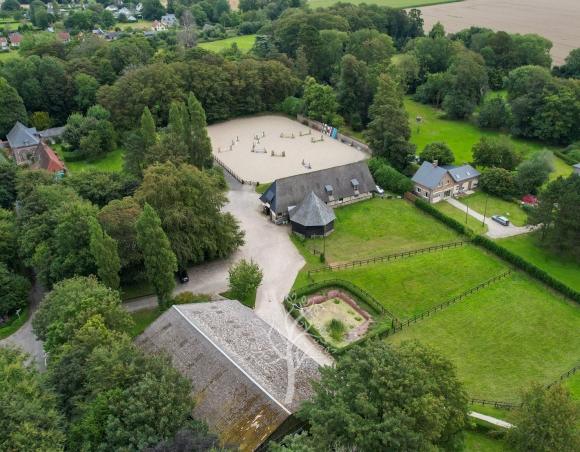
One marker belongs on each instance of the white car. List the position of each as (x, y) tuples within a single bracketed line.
[(380, 191)]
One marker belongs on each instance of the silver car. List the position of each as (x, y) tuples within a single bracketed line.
[(501, 220)]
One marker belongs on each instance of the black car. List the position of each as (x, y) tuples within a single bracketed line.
[(501, 220), (183, 276)]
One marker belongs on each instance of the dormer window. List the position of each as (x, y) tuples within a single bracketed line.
[(329, 192), (354, 183)]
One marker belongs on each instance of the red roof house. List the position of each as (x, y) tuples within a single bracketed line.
[(45, 158)]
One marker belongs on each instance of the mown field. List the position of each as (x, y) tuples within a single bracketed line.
[(413, 285), (112, 162), (244, 43), (565, 268), (451, 211), (392, 3), (379, 227), (504, 336), (495, 206)]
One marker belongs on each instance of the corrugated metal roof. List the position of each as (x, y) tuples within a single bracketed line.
[(233, 359), (290, 191), (312, 211)]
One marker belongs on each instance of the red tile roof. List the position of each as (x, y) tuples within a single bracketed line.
[(63, 36), (15, 39), (45, 158)]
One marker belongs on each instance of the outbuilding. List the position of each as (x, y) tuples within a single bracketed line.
[(312, 217)]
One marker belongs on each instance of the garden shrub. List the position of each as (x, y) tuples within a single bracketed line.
[(336, 329), (498, 182), (76, 156), (190, 297), (566, 158), (528, 267), (388, 177), (291, 106), (451, 222)]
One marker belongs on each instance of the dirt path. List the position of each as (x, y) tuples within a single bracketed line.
[(496, 230), (270, 246), (556, 20)]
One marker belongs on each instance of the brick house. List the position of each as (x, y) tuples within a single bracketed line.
[(434, 183), (158, 26), (22, 142), (45, 158)]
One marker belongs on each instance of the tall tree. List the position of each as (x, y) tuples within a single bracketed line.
[(320, 101), (352, 86), (160, 261), (499, 152), (437, 150), (14, 290), (201, 156), (11, 108), (389, 131), (30, 418), (386, 397), (187, 37), (546, 421), (148, 132), (104, 250), (134, 155), (534, 172)]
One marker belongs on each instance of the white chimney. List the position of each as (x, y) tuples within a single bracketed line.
[(435, 163)]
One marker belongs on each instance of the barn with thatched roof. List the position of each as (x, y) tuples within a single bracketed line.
[(248, 379)]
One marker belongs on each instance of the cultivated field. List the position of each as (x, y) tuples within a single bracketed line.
[(392, 3), (413, 285), (556, 20), (262, 167), (502, 337), (378, 227)]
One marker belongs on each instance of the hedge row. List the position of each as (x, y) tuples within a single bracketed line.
[(451, 222), (565, 158), (76, 156), (388, 177), (528, 267)]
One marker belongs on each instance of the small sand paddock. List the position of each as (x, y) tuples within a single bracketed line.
[(261, 166)]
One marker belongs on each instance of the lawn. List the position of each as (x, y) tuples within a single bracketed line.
[(413, 285), (495, 206), (137, 290), (5, 56), (564, 268), (248, 300), (112, 162), (244, 43), (460, 135), (312, 262), (378, 227), (392, 3), (573, 383), (142, 320), (14, 323), (476, 441), (261, 189), (504, 336), (477, 226)]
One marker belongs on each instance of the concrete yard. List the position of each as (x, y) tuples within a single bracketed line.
[(264, 168), (556, 20)]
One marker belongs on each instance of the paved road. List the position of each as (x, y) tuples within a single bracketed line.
[(496, 230), (24, 337), (270, 246), (491, 420)]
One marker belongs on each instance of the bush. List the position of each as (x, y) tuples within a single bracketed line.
[(249, 28), (528, 267), (356, 122), (244, 277), (451, 222), (336, 329), (190, 297), (498, 182), (76, 156), (437, 150), (567, 158), (291, 106), (388, 177), (67, 147), (494, 114)]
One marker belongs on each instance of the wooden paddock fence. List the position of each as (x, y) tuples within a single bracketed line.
[(229, 170)]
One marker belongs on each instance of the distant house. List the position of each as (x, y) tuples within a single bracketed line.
[(45, 158), (110, 36), (98, 32), (158, 26), (150, 33), (49, 135), (434, 183), (64, 37), (132, 18), (4, 43), (15, 39), (312, 217), (248, 379), (23, 142), (125, 11), (577, 168), (337, 186), (168, 20), (111, 8)]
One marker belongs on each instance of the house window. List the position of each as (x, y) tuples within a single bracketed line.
[(418, 190), (474, 183), (426, 194), (457, 188), (447, 193), (440, 184), (448, 182), (437, 195)]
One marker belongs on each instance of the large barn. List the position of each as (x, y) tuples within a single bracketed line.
[(248, 380), (337, 186)]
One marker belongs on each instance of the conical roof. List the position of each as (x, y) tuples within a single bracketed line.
[(312, 211)]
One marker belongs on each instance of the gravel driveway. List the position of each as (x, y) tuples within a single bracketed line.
[(270, 246), (496, 230)]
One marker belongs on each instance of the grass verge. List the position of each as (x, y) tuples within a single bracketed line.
[(142, 320), (564, 268), (502, 337), (249, 300), (495, 206), (14, 323), (261, 189), (378, 227), (413, 285), (458, 215)]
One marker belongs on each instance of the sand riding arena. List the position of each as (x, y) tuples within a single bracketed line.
[(265, 148)]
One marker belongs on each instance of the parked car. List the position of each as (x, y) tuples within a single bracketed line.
[(380, 191), (183, 276), (501, 220)]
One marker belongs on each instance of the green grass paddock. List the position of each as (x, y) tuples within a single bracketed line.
[(378, 227), (504, 336), (413, 285), (564, 268), (244, 43)]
